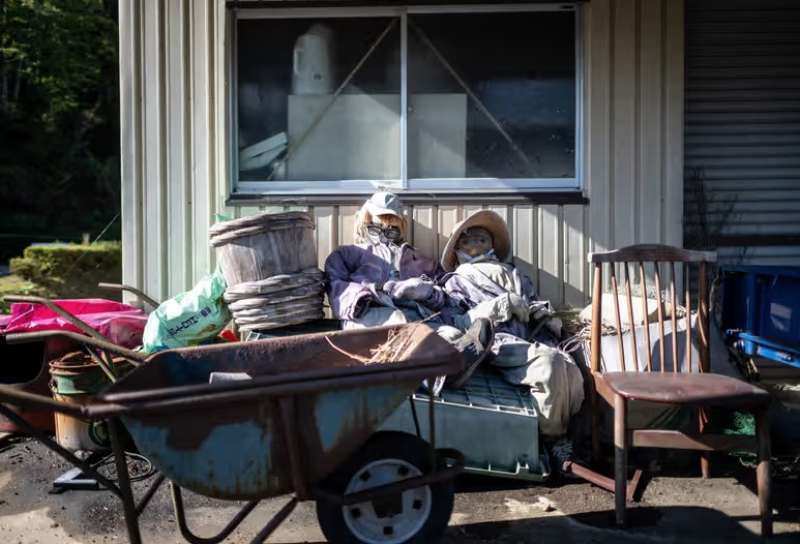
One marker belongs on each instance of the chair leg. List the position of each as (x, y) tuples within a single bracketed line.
[(597, 453), (763, 476), (620, 458), (705, 465)]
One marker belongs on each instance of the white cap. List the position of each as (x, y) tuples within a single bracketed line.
[(384, 203)]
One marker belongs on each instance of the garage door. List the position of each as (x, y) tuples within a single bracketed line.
[(742, 131)]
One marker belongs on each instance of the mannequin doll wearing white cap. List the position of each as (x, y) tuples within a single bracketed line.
[(382, 280)]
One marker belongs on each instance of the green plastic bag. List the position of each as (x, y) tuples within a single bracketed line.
[(188, 319)]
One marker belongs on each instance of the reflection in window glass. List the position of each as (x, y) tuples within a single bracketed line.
[(492, 95), (292, 123)]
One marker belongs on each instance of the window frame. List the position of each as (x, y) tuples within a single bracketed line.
[(403, 185)]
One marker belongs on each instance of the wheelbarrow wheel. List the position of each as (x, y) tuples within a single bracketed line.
[(416, 516)]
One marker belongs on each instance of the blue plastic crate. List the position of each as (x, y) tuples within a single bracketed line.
[(761, 311)]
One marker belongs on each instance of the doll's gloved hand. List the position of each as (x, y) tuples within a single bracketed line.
[(411, 289), (519, 307)]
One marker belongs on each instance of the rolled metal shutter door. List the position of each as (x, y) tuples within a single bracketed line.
[(742, 130)]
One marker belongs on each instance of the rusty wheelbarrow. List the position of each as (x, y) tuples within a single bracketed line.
[(302, 422)]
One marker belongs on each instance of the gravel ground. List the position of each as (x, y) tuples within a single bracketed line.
[(674, 508)]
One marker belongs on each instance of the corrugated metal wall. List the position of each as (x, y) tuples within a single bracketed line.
[(175, 149), (743, 128)]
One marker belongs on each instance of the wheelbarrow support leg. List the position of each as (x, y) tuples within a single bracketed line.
[(275, 522), (126, 493), (180, 515)]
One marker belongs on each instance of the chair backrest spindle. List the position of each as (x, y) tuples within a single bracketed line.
[(597, 319), (660, 309), (674, 334), (617, 315), (702, 318), (688, 297), (646, 317), (630, 318)]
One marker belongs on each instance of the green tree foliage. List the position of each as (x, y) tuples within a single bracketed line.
[(59, 120)]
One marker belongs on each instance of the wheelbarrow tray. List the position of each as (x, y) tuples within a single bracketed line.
[(231, 440)]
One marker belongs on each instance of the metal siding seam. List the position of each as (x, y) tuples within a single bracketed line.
[(220, 133), (535, 261), (165, 244), (211, 38), (638, 180), (561, 258), (612, 88), (663, 113)]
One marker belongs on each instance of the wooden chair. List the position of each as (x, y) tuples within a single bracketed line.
[(641, 381)]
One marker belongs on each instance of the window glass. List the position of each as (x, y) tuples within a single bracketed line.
[(489, 95), (492, 95), (318, 99)]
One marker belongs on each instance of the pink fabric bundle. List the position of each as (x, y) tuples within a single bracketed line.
[(121, 324)]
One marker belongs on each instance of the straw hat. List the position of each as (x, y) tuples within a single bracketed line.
[(488, 220)]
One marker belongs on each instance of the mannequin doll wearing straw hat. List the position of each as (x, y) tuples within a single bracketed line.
[(482, 284)]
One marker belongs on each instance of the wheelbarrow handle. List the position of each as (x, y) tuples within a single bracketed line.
[(17, 397), (134, 356), (10, 395), (123, 287), (71, 318)]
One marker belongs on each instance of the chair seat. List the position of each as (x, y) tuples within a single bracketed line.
[(701, 389)]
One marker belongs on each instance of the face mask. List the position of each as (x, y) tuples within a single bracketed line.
[(464, 258), (384, 235)]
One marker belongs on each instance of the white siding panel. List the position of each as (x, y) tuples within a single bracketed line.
[(550, 284), (673, 110), (425, 230), (525, 241), (201, 136), (574, 256), (130, 77), (449, 217), (176, 115), (326, 232), (346, 216), (176, 149), (599, 135), (623, 122), (156, 239), (650, 117)]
